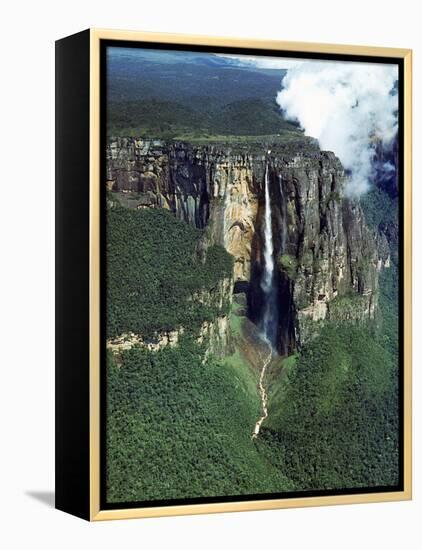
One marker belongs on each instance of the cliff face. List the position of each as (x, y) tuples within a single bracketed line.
[(325, 253), (206, 187), (329, 251)]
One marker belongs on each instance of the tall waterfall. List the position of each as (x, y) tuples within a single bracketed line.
[(269, 317), (268, 240), (283, 217)]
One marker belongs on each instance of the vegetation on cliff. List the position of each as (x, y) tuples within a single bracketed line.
[(288, 265), (153, 273), (380, 209)]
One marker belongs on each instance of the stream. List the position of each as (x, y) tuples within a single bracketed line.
[(263, 394)]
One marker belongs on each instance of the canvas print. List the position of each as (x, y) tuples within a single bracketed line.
[(251, 251)]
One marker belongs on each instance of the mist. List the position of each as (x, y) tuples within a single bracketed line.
[(348, 107)]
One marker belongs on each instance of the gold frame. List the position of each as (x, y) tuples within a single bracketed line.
[(96, 514)]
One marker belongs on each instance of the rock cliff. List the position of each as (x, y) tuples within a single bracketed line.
[(327, 258)]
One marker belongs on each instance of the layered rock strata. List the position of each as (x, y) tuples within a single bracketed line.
[(326, 255)]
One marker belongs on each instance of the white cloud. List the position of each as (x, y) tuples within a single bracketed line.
[(344, 105)]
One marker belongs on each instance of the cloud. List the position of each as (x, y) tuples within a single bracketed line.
[(348, 107)]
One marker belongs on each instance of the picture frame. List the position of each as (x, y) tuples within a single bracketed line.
[(82, 111)]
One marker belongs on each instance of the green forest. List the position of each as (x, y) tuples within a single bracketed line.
[(180, 428), (168, 119), (153, 269), (184, 95), (179, 422)]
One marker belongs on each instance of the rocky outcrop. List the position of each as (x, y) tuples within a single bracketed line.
[(323, 248), (214, 334), (129, 340)]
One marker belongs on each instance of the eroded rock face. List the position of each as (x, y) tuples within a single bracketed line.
[(215, 335), (206, 187), (330, 252), (323, 248), (129, 340)]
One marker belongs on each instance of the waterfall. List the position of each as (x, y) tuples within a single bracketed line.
[(269, 317), (283, 217), (267, 279)]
